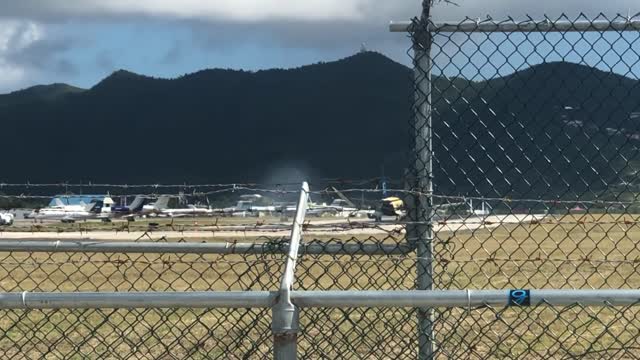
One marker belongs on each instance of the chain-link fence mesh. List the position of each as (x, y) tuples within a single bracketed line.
[(382, 262), (136, 334), (523, 174), (534, 161), (537, 332)]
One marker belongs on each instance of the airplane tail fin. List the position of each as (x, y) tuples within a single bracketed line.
[(137, 203), (94, 206), (162, 202)]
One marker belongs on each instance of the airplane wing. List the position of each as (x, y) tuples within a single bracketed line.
[(178, 215), (68, 219)]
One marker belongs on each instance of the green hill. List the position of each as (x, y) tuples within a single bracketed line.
[(555, 128), (343, 118), (38, 93)]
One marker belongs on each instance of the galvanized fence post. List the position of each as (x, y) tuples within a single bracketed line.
[(423, 211), (285, 315)]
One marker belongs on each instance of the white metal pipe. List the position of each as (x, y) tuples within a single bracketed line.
[(197, 248), (94, 300), (285, 322), (129, 247), (461, 298), (296, 234), (314, 299), (527, 26)]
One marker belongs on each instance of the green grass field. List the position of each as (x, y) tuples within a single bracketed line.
[(599, 251)]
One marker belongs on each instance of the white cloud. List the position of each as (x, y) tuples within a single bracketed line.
[(15, 36), (234, 10), (372, 11), (251, 10)]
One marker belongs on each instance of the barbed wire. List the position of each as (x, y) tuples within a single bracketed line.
[(334, 192), (193, 186)]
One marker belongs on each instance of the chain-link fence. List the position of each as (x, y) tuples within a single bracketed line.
[(526, 153), (523, 175)]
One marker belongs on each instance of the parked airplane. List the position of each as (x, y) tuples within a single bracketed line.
[(246, 208), (190, 210), (155, 208), (338, 207), (110, 211), (70, 213), (161, 208)]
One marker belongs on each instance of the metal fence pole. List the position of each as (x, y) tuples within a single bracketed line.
[(286, 316), (423, 211)]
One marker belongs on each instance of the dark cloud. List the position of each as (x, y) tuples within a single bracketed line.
[(368, 25), (328, 37), (66, 67), (44, 55), (369, 11)]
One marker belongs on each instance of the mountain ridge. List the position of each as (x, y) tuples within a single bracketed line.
[(343, 119)]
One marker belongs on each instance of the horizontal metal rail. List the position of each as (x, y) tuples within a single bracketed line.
[(527, 26), (137, 300), (318, 299), (313, 248), (461, 298)]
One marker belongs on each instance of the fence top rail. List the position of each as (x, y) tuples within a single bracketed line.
[(320, 299), (133, 247), (546, 25), (281, 247)]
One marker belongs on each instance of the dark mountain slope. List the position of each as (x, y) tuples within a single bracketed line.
[(554, 129), (336, 119), (38, 93)]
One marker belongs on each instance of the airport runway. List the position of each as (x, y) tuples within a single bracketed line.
[(318, 227)]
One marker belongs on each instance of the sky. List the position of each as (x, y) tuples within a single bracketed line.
[(82, 41)]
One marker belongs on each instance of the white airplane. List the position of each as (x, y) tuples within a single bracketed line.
[(161, 208), (155, 208), (6, 219), (190, 210), (338, 207), (246, 208), (70, 213)]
